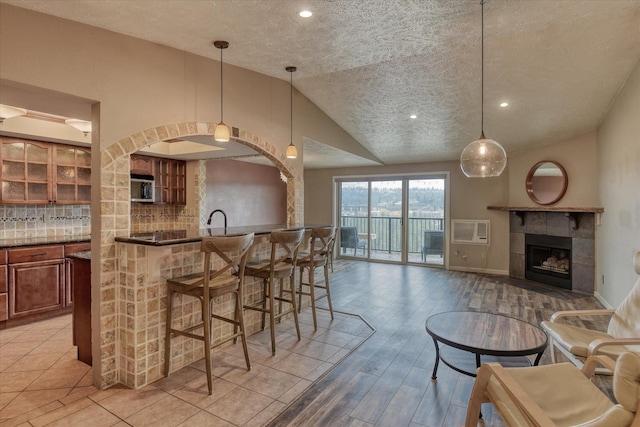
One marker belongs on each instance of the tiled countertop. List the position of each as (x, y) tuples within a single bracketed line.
[(174, 237), (49, 240)]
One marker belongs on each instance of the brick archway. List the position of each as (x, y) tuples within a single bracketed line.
[(115, 220)]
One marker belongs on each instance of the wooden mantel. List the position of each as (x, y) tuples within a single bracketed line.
[(571, 213)]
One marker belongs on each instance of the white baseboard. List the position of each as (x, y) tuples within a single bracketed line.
[(479, 270), (603, 301)]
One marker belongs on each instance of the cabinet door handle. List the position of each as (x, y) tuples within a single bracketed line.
[(39, 254)]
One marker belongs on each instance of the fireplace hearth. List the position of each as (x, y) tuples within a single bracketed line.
[(548, 259)]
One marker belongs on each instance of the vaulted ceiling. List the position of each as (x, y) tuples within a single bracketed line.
[(370, 64)]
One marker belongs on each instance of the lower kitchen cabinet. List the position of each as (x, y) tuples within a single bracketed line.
[(36, 280), (4, 300)]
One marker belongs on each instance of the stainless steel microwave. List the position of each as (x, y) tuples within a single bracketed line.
[(142, 188)]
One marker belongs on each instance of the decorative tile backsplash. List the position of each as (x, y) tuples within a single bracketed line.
[(147, 218), (20, 221)]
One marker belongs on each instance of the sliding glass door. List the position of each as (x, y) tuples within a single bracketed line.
[(393, 219), (354, 219), (425, 225)]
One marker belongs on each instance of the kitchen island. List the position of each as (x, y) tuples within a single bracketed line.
[(144, 263)]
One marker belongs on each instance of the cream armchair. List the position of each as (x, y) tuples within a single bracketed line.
[(623, 333), (559, 395)]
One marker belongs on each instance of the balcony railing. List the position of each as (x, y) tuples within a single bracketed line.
[(388, 231)]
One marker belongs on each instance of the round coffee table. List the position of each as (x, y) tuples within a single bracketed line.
[(490, 337)]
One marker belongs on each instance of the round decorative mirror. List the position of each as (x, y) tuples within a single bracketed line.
[(547, 182)]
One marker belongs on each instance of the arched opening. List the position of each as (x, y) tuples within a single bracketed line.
[(115, 221)]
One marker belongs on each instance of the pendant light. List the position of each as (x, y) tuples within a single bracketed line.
[(8, 111), (82, 125), (221, 132), (484, 157), (292, 152)]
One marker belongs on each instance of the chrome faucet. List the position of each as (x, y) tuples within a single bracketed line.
[(223, 214)]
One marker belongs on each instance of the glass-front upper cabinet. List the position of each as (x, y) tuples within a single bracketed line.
[(26, 169), (178, 182), (72, 178), (35, 172)]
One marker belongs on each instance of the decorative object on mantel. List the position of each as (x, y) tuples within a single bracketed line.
[(292, 152), (484, 157), (571, 213), (221, 132), (547, 182)]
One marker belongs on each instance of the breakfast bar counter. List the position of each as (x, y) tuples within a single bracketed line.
[(172, 237), (144, 262)]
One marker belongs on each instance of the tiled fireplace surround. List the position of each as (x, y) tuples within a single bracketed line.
[(556, 224)]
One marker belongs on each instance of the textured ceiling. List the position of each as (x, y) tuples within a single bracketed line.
[(369, 64)]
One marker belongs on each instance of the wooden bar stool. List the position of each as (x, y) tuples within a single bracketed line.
[(227, 279), (281, 265), (320, 245)]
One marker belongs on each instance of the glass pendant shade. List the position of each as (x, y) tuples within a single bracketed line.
[(483, 158), (221, 133), (7, 112), (292, 151)]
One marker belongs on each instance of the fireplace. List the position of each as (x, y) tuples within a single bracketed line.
[(548, 259)]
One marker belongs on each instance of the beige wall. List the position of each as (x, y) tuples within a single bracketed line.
[(470, 197), (619, 184), (249, 194), (141, 85), (469, 200), (577, 156)]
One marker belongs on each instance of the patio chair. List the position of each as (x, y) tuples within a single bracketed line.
[(349, 239), (433, 243), (623, 332), (559, 395)]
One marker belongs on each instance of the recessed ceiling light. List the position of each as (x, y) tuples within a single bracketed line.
[(504, 104), (413, 116), (305, 14)]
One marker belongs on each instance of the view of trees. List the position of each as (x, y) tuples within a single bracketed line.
[(423, 203)]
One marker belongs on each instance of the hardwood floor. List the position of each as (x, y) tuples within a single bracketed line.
[(387, 380)]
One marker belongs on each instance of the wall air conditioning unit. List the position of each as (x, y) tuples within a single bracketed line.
[(470, 231)]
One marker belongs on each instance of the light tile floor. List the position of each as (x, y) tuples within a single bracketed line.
[(42, 383)]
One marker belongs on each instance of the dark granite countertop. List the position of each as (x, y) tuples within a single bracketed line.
[(37, 241), (85, 255), (174, 237)]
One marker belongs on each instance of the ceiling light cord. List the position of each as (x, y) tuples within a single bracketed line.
[(221, 90), (291, 101), (482, 72)]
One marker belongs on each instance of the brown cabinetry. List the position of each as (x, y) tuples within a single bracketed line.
[(25, 172), (81, 279), (71, 175), (142, 165), (4, 300), (170, 176), (36, 280), (69, 249), (35, 172)]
